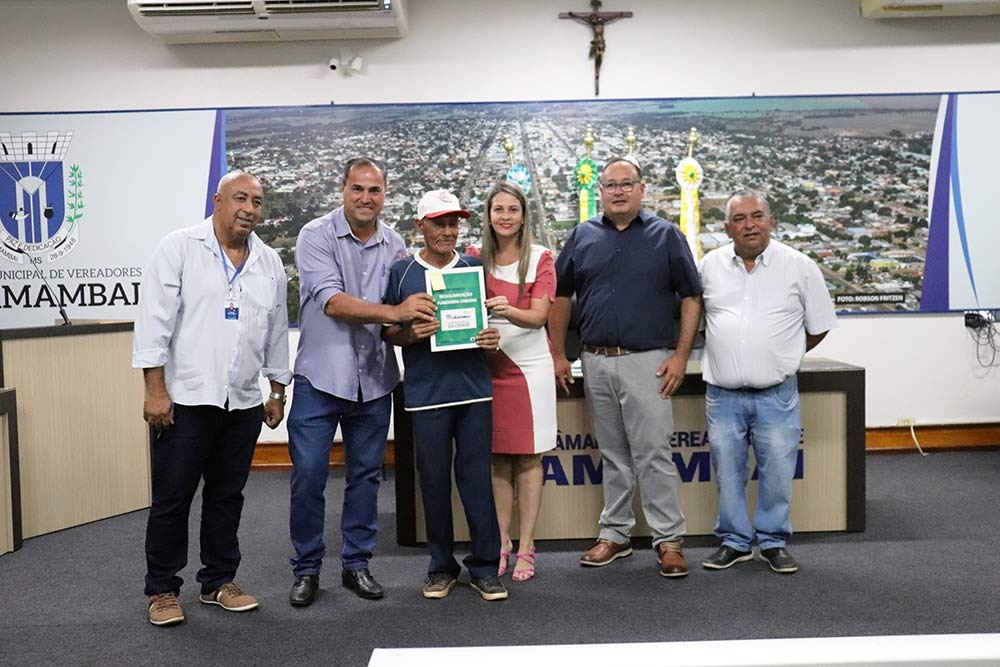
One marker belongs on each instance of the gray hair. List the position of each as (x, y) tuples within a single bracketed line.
[(742, 194)]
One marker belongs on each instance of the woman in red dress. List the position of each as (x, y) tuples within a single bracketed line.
[(520, 286)]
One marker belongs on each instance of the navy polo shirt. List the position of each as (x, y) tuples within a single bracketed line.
[(437, 379), (629, 283)]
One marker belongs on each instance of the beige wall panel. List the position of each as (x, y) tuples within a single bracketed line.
[(83, 444), (819, 499), (6, 506), (572, 501)]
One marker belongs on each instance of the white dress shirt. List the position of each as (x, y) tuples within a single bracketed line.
[(756, 322), (208, 359)]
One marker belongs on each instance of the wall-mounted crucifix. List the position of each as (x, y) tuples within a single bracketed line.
[(596, 19)]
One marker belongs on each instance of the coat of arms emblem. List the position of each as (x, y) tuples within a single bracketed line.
[(41, 204)]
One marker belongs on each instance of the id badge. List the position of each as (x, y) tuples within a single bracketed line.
[(232, 308)]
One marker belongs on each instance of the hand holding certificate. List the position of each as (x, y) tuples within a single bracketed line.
[(459, 294)]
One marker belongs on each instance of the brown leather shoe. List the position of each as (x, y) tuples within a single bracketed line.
[(672, 563), (604, 552)]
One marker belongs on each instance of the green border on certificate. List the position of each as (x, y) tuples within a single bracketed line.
[(460, 295)]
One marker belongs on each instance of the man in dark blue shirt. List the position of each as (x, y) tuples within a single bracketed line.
[(629, 271)]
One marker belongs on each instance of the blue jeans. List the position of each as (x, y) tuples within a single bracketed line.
[(312, 424), (462, 433), (769, 421)]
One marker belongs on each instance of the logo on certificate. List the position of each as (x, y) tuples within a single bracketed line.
[(464, 318)]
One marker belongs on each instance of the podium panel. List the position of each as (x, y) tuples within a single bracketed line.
[(10, 493), (828, 489), (84, 447)]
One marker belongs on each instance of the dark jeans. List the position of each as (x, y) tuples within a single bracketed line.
[(214, 444), (469, 427)]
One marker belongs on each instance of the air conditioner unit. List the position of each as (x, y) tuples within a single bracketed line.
[(899, 9), (206, 21)]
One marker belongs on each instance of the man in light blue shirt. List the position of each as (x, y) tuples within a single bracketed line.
[(344, 375), (212, 319)]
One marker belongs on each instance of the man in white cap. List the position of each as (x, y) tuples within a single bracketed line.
[(448, 395)]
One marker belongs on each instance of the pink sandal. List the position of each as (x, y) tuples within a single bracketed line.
[(504, 557), (528, 572)]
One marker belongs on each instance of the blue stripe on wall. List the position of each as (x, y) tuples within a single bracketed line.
[(217, 160), (934, 294)]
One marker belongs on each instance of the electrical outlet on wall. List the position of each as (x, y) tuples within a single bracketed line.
[(906, 421)]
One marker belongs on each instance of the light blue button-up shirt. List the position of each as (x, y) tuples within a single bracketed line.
[(208, 359), (338, 357)]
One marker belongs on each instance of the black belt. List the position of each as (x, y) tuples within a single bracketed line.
[(607, 350), (750, 390), (753, 390)]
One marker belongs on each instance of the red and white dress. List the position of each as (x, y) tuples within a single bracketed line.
[(524, 388)]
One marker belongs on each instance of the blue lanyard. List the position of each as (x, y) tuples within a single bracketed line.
[(225, 266)]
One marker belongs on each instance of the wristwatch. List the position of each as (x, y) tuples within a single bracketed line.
[(277, 397)]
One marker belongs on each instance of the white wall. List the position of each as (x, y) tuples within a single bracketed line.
[(63, 55)]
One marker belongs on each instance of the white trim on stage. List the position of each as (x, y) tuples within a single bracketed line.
[(898, 651)]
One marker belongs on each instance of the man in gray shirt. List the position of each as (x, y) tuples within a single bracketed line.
[(344, 376)]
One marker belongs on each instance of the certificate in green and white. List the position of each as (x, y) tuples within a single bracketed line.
[(460, 295)]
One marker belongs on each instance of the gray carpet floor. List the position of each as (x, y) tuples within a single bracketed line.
[(921, 567)]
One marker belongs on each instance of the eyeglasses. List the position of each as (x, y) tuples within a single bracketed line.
[(624, 186)]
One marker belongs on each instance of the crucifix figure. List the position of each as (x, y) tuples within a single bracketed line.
[(596, 19)]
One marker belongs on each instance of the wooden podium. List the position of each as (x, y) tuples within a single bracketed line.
[(82, 445)]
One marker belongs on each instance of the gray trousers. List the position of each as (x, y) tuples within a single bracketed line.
[(633, 426)]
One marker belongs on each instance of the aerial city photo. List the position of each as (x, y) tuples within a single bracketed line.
[(847, 177)]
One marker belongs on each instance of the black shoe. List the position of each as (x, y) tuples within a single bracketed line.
[(780, 560), (724, 557), (490, 588), (362, 583), (304, 590)]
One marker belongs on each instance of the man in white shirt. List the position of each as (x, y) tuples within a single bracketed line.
[(766, 305), (212, 318)]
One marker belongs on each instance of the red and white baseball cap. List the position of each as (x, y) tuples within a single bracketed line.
[(439, 202)]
